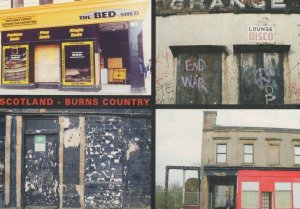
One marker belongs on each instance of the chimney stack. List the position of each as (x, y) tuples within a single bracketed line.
[(209, 119)]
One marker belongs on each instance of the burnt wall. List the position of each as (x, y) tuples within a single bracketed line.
[(117, 170), (138, 163), (71, 159)]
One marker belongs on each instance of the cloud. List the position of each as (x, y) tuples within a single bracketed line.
[(179, 132)]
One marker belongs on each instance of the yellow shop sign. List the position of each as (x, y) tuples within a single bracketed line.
[(73, 13), (18, 21)]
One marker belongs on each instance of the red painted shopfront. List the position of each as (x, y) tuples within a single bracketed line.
[(269, 189)]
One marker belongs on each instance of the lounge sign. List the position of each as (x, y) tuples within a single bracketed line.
[(261, 34), (248, 6)]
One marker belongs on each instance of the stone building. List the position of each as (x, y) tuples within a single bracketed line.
[(256, 167), (227, 52), (75, 158)]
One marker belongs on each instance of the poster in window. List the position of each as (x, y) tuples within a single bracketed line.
[(77, 63), (40, 143), (15, 64)]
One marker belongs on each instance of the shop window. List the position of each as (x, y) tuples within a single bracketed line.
[(248, 153), (27, 3), (261, 74), (296, 193), (221, 153), (42, 2), (5, 4), (17, 3), (283, 194), (250, 194), (63, 1), (199, 74), (78, 63), (15, 68), (297, 155), (273, 154), (46, 60)]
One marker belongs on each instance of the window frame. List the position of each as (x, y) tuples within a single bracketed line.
[(269, 156), (251, 154), (282, 51), (296, 155), (283, 190), (254, 188), (180, 51), (225, 153)]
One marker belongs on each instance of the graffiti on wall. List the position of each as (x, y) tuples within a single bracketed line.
[(294, 86), (199, 79), (295, 91), (261, 79), (165, 91), (196, 80)]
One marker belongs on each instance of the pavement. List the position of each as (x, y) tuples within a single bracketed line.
[(107, 89)]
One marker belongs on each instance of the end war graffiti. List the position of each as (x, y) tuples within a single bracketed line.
[(197, 75)]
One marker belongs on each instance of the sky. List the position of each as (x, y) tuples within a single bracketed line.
[(179, 134)]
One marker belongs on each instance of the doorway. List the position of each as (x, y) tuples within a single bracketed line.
[(266, 200), (114, 53), (41, 181)]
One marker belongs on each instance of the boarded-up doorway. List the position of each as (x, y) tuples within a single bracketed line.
[(47, 64), (41, 182)]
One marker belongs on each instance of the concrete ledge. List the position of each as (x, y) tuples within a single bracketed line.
[(138, 90), (18, 86), (79, 88)]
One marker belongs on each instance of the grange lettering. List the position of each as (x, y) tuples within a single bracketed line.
[(219, 6)]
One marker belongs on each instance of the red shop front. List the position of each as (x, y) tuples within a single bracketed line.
[(268, 189)]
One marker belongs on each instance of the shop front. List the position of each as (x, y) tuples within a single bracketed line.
[(268, 189), (74, 46)]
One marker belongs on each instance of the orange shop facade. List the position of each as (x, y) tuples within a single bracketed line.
[(76, 46)]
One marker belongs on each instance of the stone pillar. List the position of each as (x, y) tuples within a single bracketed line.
[(136, 57), (19, 156), (204, 200), (7, 159)]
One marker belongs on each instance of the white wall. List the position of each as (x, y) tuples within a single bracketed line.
[(225, 29)]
